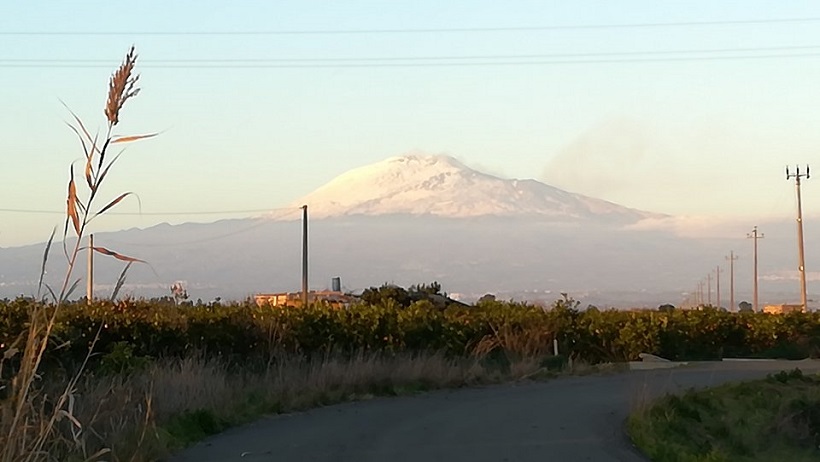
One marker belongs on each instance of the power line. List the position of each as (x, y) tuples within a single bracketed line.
[(191, 241), (429, 65), (742, 22), (107, 62), (208, 212)]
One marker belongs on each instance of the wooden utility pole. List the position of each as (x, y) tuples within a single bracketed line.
[(89, 287), (717, 284), (800, 254), (304, 256), (754, 235), (732, 259)]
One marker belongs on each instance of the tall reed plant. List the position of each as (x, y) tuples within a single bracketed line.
[(35, 424)]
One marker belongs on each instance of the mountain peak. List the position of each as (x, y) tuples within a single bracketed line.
[(408, 169), (419, 159), (421, 184)]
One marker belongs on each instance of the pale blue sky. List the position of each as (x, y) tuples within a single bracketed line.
[(694, 137)]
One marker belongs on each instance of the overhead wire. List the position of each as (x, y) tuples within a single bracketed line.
[(740, 22), (429, 65), (191, 241), (422, 58), (293, 211), (258, 224), (169, 213), (632, 56)]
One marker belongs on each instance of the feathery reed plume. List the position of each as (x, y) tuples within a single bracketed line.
[(121, 87)]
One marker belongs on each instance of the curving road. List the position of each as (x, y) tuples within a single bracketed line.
[(568, 419)]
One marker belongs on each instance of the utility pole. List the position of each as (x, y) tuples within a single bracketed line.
[(709, 287), (755, 236), (696, 294), (304, 256), (800, 257), (89, 288), (717, 282), (732, 259)]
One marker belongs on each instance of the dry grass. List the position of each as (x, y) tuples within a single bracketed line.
[(515, 341)]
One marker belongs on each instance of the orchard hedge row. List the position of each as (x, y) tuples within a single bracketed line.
[(241, 330)]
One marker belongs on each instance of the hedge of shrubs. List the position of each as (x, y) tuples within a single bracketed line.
[(242, 330)]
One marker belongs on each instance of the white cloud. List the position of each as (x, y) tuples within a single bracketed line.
[(788, 275), (694, 226)]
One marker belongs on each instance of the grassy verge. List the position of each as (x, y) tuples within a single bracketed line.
[(767, 420), (163, 406)]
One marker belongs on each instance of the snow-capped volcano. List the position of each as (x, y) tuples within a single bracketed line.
[(440, 185)]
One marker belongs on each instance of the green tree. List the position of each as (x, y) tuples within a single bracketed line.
[(433, 288), (380, 295)]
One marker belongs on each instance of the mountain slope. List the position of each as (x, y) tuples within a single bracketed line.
[(439, 185)]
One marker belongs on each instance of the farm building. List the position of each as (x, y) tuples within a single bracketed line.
[(783, 308), (294, 299)]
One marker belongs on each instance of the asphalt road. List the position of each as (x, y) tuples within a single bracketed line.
[(567, 419)]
